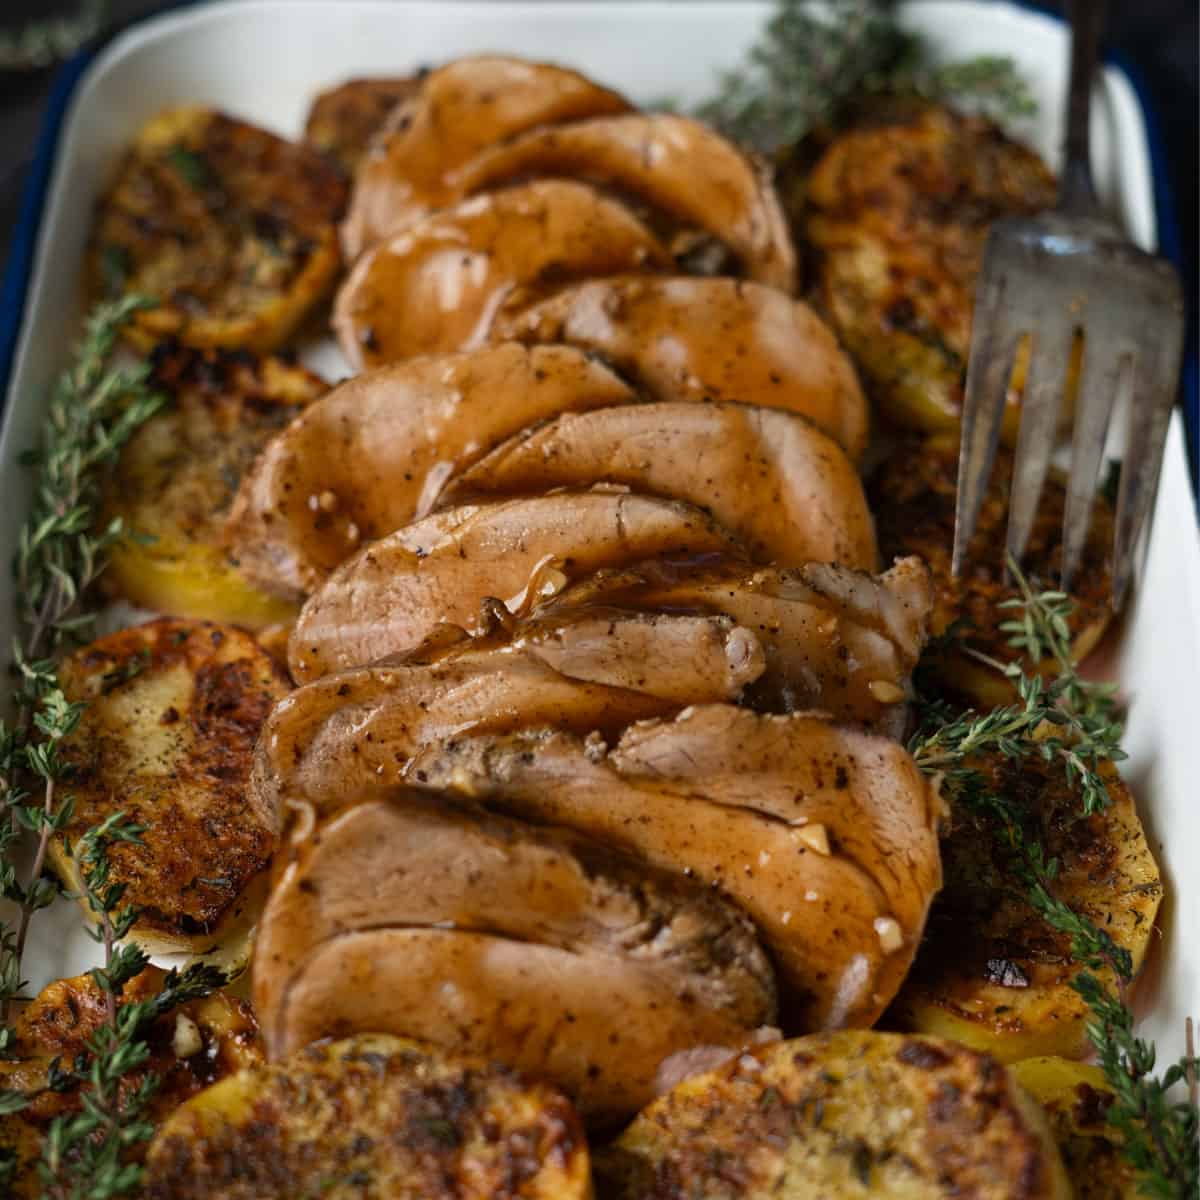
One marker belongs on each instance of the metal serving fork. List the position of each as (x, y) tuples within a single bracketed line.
[(1054, 277)]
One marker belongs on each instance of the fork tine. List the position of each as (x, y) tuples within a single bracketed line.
[(1156, 374), (1104, 353), (993, 346), (1041, 405)]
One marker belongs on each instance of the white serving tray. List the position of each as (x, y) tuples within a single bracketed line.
[(264, 60)]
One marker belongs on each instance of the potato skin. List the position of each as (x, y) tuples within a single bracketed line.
[(174, 710), (177, 477), (230, 228), (58, 1023), (913, 498), (896, 211), (373, 1118), (991, 973), (1075, 1098), (845, 1114)]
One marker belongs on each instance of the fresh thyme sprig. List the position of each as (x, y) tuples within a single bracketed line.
[(811, 60), (94, 410), (1074, 721), (85, 1155)]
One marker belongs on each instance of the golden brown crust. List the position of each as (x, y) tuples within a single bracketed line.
[(913, 497), (230, 228), (850, 1114), (990, 973), (896, 212), (342, 121), (175, 482), (373, 1118), (1075, 1099), (191, 1047), (174, 710)]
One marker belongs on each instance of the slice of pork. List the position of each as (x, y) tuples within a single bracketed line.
[(461, 108), (842, 930), (390, 596), (438, 285), (689, 338), (595, 1023), (366, 457), (676, 166), (420, 859), (838, 640), (784, 487), (359, 728)]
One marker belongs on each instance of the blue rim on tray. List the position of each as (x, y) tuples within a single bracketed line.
[(19, 268)]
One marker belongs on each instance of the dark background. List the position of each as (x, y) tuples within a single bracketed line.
[(1159, 37)]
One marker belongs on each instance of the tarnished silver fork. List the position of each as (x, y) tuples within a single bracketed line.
[(1053, 278)]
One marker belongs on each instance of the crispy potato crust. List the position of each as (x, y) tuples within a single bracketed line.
[(176, 480), (896, 212), (232, 229), (191, 1048), (373, 1118), (847, 1114), (913, 496), (989, 972), (1075, 1098), (174, 710), (343, 120)]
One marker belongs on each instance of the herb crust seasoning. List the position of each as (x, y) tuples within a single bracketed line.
[(990, 973), (896, 211), (173, 713), (174, 484), (913, 496), (231, 228), (190, 1047), (845, 1114), (373, 1118)]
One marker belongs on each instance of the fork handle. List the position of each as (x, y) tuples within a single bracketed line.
[(1076, 192)]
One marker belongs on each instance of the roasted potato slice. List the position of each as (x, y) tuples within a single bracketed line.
[(844, 1114), (991, 973), (786, 489), (176, 478), (707, 339), (230, 228), (391, 595), (343, 121), (896, 212), (191, 1047), (677, 168), (371, 455), (372, 1118), (173, 712), (438, 285), (461, 109), (913, 497), (1075, 1098)]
